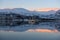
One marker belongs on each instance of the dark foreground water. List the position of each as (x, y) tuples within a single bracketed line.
[(40, 31)]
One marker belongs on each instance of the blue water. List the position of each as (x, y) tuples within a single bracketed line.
[(29, 36), (22, 32)]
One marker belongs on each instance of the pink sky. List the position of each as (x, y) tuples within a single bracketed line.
[(44, 9)]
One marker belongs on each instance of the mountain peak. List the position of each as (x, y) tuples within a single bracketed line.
[(20, 8)]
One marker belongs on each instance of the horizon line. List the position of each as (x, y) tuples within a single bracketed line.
[(37, 9)]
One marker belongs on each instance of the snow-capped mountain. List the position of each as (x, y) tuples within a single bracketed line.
[(58, 11), (16, 10), (27, 12)]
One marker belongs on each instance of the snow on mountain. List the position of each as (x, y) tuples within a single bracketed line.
[(17, 10), (58, 11), (27, 12)]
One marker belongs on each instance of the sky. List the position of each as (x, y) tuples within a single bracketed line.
[(29, 4)]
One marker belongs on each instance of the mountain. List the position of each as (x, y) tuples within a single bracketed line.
[(27, 12), (17, 10), (58, 11)]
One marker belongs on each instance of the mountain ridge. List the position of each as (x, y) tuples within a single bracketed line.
[(27, 12)]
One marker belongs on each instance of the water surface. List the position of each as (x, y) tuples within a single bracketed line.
[(40, 31)]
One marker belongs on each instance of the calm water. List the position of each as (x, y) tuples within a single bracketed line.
[(39, 31)]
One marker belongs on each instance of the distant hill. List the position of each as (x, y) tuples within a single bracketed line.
[(22, 10)]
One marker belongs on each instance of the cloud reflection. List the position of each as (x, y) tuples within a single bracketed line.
[(41, 30)]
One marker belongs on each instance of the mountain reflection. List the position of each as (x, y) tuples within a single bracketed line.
[(38, 27)]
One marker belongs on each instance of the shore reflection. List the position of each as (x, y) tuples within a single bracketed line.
[(39, 27)]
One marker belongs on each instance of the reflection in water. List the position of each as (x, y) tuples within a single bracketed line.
[(41, 30), (38, 27)]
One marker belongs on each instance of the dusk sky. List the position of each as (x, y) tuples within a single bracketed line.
[(29, 3)]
